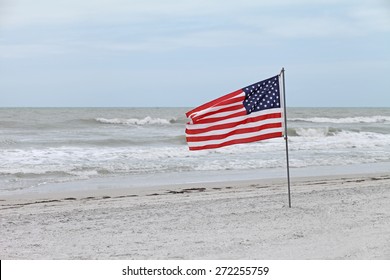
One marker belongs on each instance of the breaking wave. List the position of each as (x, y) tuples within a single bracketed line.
[(7, 142), (313, 132), (134, 121), (372, 119)]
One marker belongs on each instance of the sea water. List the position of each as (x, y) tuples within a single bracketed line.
[(46, 147)]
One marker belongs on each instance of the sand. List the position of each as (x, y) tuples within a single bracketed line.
[(339, 217)]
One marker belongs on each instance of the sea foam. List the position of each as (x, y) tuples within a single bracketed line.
[(134, 121), (361, 119)]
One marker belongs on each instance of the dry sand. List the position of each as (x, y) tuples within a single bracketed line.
[(343, 217)]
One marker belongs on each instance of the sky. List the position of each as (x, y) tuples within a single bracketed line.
[(183, 53)]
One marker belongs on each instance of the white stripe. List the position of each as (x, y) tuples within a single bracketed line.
[(224, 114), (236, 119), (235, 137), (216, 107), (241, 126)]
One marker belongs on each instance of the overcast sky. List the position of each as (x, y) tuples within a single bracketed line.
[(187, 52)]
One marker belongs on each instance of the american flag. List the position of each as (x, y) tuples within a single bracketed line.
[(250, 114)]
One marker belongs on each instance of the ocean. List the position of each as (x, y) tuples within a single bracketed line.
[(43, 149)]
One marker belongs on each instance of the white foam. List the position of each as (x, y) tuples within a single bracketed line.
[(7, 141), (372, 119), (134, 121), (92, 161), (312, 132), (151, 143)]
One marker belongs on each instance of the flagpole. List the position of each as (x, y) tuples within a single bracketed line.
[(286, 137)]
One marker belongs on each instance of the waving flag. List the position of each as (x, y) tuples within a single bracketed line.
[(250, 114)]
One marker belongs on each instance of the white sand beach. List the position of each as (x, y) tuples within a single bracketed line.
[(340, 217)]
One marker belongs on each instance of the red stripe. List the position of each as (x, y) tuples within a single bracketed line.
[(239, 141), (225, 109), (214, 102), (212, 120), (233, 124), (231, 101), (233, 132)]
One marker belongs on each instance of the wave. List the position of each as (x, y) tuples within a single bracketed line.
[(313, 132), (133, 142), (134, 121), (31, 167), (7, 142), (372, 119), (328, 131)]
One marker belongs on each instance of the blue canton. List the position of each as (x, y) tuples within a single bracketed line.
[(262, 95)]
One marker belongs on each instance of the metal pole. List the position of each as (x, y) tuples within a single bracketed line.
[(286, 138)]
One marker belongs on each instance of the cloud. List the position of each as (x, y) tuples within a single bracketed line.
[(191, 40), (327, 20), (25, 12), (313, 27), (20, 13), (31, 50), (371, 18), (155, 26)]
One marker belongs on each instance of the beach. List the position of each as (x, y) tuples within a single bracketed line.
[(120, 183), (332, 217)]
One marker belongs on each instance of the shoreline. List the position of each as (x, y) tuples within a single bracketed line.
[(336, 217), (180, 188), (144, 183), (189, 187)]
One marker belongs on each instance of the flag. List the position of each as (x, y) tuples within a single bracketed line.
[(250, 114)]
